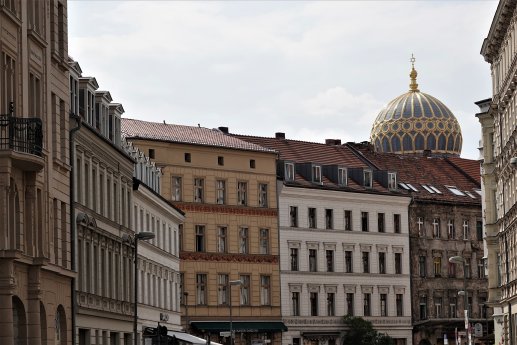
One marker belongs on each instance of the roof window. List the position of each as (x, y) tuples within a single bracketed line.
[(392, 180), (289, 171), (435, 189), (367, 175), (427, 188), (478, 191), (412, 187), (470, 194), (455, 191), (316, 173), (342, 177), (403, 185)]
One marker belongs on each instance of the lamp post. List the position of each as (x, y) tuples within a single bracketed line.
[(185, 302), (232, 282), (461, 260), (141, 236)]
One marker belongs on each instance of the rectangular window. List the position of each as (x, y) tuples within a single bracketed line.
[(294, 259), (201, 295), (367, 175), (295, 303), (35, 97), (398, 263), (312, 218), (329, 218), (245, 289), (423, 308), (399, 304), (8, 83), (467, 273), (380, 222), (422, 266), (420, 226), (242, 193), (348, 262), (252, 164), (392, 181), (220, 160), (222, 239), (366, 304), (451, 231), (364, 221), (348, 220), (223, 289), (481, 269), (329, 255), (479, 230), (396, 223), (436, 228), (466, 230), (350, 304), (452, 270), (342, 177), (316, 174), (452, 306), (263, 195), (188, 157), (366, 262), (243, 241), (220, 192), (265, 290), (198, 189), (331, 304), (313, 260), (200, 238), (384, 304), (437, 261), (264, 241), (438, 307), (289, 171), (314, 303), (382, 263), (293, 216)]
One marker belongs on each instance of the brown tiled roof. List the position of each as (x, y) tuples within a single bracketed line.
[(469, 166), (138, 129)]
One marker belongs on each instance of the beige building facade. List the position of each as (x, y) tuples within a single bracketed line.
[(36, 263), (229, 241)]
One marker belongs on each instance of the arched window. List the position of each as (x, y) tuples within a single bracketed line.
[(419, 142), (395, 143), (450, 143), (386, 145), (407, 143), (431, 142), (442, 142), (19, 322), (457, 144), (43, 323), (60, 327)]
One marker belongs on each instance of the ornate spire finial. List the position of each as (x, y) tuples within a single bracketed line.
[(413, 86)]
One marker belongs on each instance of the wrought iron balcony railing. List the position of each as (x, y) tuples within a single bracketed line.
[(23, 135)]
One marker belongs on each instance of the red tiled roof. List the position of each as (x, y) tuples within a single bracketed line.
[(469, 166), (185, 134)]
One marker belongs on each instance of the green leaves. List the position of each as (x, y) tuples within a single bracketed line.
[(361, 332)]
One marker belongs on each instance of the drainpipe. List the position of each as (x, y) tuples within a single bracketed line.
[(71, 154)]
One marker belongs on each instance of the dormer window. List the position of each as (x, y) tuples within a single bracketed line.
[(367, 176), (342, 177), (392, 181), (289, 172), (316, 173)]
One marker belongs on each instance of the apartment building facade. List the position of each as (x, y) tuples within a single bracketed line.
[(229, 240), (36, 264)]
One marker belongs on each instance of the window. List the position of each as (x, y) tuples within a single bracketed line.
[(382, 263), (220, 192), (264, 241), (176, 188), (364, 221), (222, 239), (329, 219), (313, 260), (384, 304), (465, 229), (316, 173), (331, 310), (438, 307), (422, 271), (252, 163), (453, 302), (242, 193), (481, 269), (35, 96), (8, 83), (314, 303), (245, 289), (437, 261), (201, 289), (263, 195), (289, 171), (399, 304), (198, 189), (312, 218), (452, 270), (151, 153), (366, 262), (479, 230), (398, 263), (243, 241), (380, 222), (396, 223), (366, 304), (451, 232), (220, 160), (188, 158), (392, 181), (223, 289), (467, 273), (329, 255), (348, 220), (348, 262), (265, 290), (420, 226), (423, 307), (200, 238), (295, 303), (367, 175), (342, 178), (436, 228), (294, 259), (455, 191), (350, 304), (293, 216)]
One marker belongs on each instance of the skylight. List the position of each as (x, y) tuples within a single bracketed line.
[(455, 191), (470, 194), (428, 189), (403, 185), (478, 191), (411, 186), (435, 189)]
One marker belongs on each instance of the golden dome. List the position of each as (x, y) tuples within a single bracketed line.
[(414, 122)]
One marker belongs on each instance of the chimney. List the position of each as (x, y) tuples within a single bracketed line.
[(279, 135), (332, 142), (224, 129), (427, 153)]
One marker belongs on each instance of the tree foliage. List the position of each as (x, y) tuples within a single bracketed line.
[(361, 332)]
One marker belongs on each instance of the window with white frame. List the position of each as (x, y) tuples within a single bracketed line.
[(199, 189), (201, 293), (466, 230), (176, 188), (242, 193), (367, 177), (263, 195), (453, 302), (420, 226), (392, 181), (342, 177), (220, 192), (265, 290), (245, 289), (223, 289), (264, 241), (438, 306), (436, 228), (222, 239), (316, 173), (289, 171), (451, 231), (243, 240)]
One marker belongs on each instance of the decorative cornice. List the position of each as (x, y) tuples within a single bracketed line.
[(223, 257), (214, 208)]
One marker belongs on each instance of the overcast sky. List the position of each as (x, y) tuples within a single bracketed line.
[(313, 70)]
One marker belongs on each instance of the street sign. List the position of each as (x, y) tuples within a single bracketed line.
[(478, 330), (224, 334)]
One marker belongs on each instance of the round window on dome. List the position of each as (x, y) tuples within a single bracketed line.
[(418, 125), (430, 125)]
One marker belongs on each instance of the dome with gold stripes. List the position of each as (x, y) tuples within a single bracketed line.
[(415, 122)]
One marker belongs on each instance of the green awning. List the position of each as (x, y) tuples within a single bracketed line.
[(240, 326)]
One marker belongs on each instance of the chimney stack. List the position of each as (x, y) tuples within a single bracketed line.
[(333, 142), (225, 130), (279, 135)]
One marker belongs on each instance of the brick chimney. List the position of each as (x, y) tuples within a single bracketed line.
[(225, 130), (333, 142), (280, 135)]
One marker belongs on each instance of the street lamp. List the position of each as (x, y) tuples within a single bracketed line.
[(232, 282), (461, 260), (141, 236), (185, 302)]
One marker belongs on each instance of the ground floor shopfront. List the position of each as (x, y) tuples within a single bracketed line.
[(246, 332), (434, 332)]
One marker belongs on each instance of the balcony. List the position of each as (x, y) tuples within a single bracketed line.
[(21, 141)]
